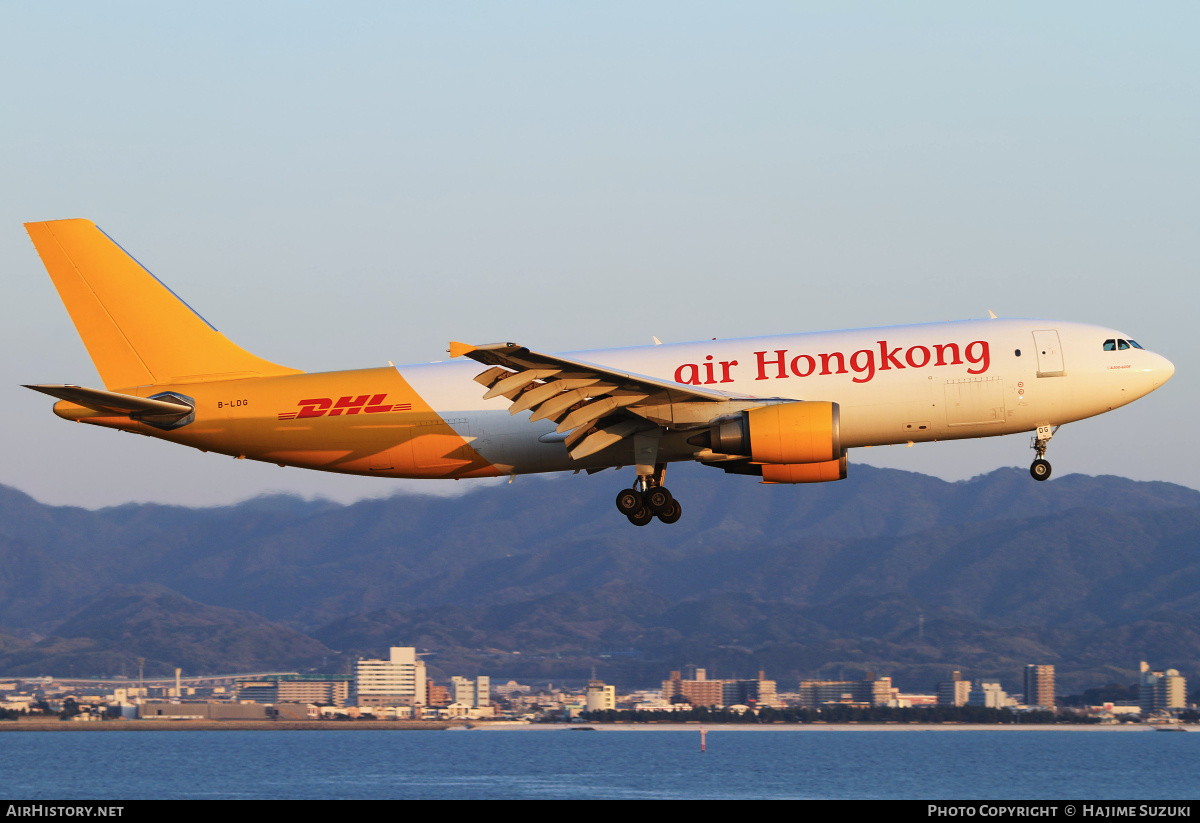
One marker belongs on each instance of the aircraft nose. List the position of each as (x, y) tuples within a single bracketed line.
[(1162, 370)]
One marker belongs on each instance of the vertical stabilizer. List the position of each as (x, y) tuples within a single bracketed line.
[(137, 331)]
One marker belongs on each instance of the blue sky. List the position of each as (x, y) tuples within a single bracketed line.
[(339, 186)]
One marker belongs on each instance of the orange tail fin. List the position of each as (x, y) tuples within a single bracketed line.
[(137, 331)]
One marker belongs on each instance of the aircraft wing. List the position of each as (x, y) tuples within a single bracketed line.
[(595, 405)]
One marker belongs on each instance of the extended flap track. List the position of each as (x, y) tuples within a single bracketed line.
[(582, 404)]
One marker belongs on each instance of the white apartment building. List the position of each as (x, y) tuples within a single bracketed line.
[(989, 694), (1161, 691), (600, 696), (474, 693), (397, 681)]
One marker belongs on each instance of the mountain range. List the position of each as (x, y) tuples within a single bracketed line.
[(887, 571)]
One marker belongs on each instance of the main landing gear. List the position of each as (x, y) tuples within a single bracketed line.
[(649, 499), (1040, 468)]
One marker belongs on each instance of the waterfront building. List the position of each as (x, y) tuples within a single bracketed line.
[(1161, 691), (319, 689), (203, 711), (600, 696), (987, 693), (472, 693), (757, 693), (511, 688), (717, 693), (461, 711), (397, 681), (905, 701), (1039, 686), (437, 695), (955, 691), (870, 692), (698, 692)]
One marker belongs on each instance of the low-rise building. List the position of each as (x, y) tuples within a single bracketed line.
[(987, 693), (717, 693), (319, 689), (869, 692), (203, 711)]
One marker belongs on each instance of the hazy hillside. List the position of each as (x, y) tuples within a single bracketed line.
[(888, 570)]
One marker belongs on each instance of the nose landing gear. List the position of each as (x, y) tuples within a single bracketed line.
[(648, 499), (1040, 468)]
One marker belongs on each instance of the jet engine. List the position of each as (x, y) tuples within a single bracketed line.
[(797, 442)]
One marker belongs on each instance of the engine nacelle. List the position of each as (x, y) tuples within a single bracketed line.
[(783, 433), (805, 472)]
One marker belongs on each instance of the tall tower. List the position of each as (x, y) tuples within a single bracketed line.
[(1039, 686)]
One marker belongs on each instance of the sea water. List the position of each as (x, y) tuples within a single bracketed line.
[(616, 763)]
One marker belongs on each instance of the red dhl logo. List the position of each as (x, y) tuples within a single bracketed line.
[(322, 406)]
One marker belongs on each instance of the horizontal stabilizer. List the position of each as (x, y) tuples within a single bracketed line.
[(114, 403)]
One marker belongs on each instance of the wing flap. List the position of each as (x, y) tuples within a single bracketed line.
[(514, 383), (603, 438), (598, 405)]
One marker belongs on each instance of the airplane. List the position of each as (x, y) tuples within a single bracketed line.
[(784, 408)]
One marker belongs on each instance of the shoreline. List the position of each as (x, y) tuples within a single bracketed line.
[(218, 725), (475, 726), (842, 727)]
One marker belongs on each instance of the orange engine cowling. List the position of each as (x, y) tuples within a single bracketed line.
[(805, 472), (807, 432), (796, 442), (801, 432)]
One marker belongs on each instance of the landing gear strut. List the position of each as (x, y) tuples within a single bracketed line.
[(648, 499), (1040, 468)]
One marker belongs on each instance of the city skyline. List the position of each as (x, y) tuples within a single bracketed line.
[(1160, 691)]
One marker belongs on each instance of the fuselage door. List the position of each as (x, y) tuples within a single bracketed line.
[(1049, 353)]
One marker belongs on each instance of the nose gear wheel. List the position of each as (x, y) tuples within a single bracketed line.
[(1040, 470)]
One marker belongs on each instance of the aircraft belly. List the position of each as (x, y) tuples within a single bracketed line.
[(522, 447)]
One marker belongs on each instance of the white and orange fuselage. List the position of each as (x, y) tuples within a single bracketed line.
[(897, 384), (893, 385)]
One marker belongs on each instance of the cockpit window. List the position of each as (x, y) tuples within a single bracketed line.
[(1134, 343), (1110, 345), (1122, 345)]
